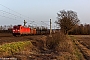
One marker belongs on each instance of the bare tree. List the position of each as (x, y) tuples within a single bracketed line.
[(67, 20)]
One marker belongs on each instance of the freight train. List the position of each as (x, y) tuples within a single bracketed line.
[(22, 30)]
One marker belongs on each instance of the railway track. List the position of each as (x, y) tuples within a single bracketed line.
[(8, 38)]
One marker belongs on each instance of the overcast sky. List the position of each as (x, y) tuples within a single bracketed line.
[(15, 11)]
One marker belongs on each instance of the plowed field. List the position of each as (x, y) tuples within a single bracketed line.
[(8, 38), (84, 40)]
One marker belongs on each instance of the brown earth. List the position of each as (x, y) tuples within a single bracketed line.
[(36, 40), (83, 43), (8, 38), (83, 39), (39, 50)]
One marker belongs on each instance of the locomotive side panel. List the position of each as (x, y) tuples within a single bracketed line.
[(24, 30), (21, 30)]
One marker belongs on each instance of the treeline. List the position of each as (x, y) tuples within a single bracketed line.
[(6, 31), (82, 29), (6, 27)]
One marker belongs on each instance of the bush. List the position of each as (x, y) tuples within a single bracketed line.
[(59, 42), (53, 42)]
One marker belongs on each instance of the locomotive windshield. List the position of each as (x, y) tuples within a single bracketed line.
[(16, 27)]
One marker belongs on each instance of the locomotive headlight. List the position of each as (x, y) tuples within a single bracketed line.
[(18, 30), (13, 30)]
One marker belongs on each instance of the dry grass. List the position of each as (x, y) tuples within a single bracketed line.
[(64, 46), (53, 42), (59, 42)]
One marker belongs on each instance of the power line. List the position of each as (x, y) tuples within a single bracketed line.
[(15, 12), (10, 9), (45, 23), (7, 17), (19, 15), (9, 13), (16, 16)]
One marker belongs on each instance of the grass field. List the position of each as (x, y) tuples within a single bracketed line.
[(14, 47)]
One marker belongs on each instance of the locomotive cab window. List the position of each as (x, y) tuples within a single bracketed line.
[(16, 27)]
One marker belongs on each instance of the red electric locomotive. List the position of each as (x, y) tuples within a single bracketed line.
[(21, 30)]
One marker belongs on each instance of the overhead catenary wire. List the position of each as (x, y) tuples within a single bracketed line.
[(7, 17), (39, 23), (14, 15), (5, 12), (19, 15), (45, 23)]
